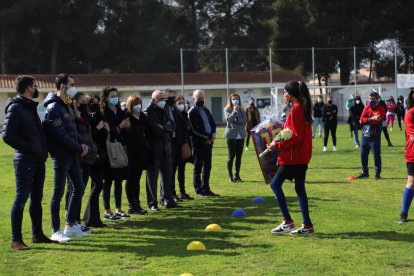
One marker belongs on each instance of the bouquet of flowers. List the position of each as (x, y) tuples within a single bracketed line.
[(283, 135)]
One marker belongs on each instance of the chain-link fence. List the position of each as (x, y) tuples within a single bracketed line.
[(339, 72)]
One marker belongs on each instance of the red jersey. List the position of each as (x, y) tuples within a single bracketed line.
[(409, 131), (298, 149), (368, 112)]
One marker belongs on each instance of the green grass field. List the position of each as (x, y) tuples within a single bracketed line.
[(356, 225)]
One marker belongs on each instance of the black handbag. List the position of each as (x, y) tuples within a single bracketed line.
[(92, 156)]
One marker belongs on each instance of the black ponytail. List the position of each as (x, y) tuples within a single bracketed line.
[(305, 100), (301, 91), (410, 99)]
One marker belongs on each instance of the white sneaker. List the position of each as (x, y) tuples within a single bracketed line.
[(283, 228), (356, 146), (246, 148), (334, 148), (391, 129), (74, 231), (59, 236), (324, 149)]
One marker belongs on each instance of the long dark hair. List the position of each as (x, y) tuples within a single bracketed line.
[(299, 90), (410, 99), (105, 95)]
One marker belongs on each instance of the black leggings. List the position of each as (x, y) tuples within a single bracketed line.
[(106, 194), (247, 138), (235, 147), (399, 117), (330, 126), (387, 136), (132, 185), (92, 214)]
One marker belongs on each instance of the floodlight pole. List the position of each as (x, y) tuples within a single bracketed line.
[(270, 69), (313, 71), (182, 71), (355, 71), (227, 71), (396, 69)]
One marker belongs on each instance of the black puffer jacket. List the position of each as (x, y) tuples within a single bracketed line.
[(138, 148), (23, 131), (60, 127)]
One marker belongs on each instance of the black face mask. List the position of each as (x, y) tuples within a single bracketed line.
[(170, 101), (329, 102), (83, 108), (35, 94), (200, 103), (93, 107)]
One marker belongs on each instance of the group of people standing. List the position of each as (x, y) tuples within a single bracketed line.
[(325, 117), (76, 132), (78, 128)]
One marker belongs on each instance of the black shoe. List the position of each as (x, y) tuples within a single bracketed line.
[(200, 193), (96, 225), (162, 202), (171, 205), (137, 210), (231, 179), (185, 196), (210, 193), (177, 199), (363, 176), (132, 211), (390, 145), (403, 218), (377, 176), (238, 179)]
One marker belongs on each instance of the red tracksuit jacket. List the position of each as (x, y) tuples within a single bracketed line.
[(298, 149), (409, 130)]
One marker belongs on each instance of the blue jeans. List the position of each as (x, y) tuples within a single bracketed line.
[(30, 178), (63, 166), (373, 145), (317, 121), (283, 172)]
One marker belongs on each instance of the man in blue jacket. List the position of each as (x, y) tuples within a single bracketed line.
[(23, 131), (66, 149), (203, 133)]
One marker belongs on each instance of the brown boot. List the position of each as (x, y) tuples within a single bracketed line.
[(42, 239), (19, 245)]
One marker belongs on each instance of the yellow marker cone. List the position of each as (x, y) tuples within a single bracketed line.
[(196, 245), (186, 274), (213, 228)]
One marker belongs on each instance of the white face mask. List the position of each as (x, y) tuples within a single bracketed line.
[(161, 104), (357, 101), (180, 107), (71, 91), (136, 108)]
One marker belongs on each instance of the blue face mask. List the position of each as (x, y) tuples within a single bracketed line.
[(373, 103), (235, 101), (113, 101)]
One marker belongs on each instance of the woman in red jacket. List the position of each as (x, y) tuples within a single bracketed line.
[(294, 156), (408, 192)]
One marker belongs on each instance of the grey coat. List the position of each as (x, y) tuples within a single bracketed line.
[(236, 123)]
